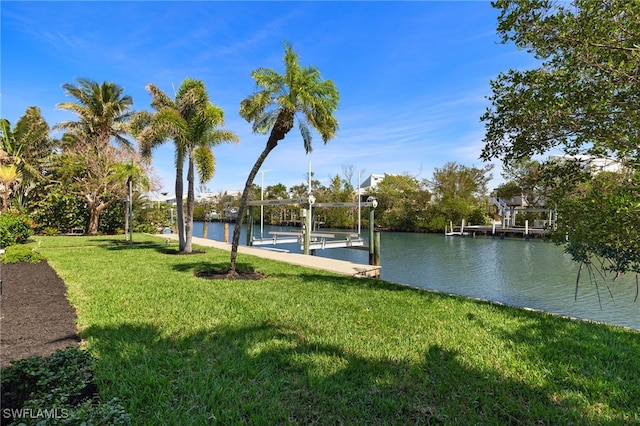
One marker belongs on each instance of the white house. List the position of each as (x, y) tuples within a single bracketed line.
[(370, 183), (594, 164)]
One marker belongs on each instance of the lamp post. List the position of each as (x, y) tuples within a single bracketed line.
[(130, 212)]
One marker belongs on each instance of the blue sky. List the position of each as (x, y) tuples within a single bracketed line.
[(413, 76)]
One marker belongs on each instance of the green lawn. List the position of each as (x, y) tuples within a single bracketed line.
[(303, 346)]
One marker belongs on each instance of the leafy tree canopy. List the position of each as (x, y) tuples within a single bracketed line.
[(457, 181), (582, 99), (584, 96)]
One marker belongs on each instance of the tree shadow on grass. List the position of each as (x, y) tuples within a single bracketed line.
[(206, 265), (271, 373), (583, 358)]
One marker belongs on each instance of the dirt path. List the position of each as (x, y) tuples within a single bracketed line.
[(36, 317)]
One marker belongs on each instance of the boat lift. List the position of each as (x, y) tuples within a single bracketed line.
[(308, 238)]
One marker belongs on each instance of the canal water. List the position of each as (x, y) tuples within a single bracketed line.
[(533, 274)]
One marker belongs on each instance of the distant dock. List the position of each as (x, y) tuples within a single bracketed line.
[(500, 232)]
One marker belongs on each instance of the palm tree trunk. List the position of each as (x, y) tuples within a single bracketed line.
[(243, 204), (188, 220), (179, 208), (284, 123)]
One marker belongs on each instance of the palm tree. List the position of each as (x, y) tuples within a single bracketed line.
[(103, 116), (29, 147), (103, 112), (192, 122), (298, 93)]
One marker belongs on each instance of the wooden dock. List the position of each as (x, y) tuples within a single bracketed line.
[(500, 232)]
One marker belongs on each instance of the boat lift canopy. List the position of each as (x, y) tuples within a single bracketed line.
[(315, 239)]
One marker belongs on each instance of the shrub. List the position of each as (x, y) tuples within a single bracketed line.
[(60, 209), (21, 253), (50, 231), (15, 228), (63, 381)]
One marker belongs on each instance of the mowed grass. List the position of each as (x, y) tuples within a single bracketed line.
[(303, 346)]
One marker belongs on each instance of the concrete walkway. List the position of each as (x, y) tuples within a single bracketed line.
[(342, 267)]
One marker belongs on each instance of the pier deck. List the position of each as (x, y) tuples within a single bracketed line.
[(342, 267), (498, 231)]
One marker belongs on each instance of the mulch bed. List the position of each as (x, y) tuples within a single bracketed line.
[(36, 317)]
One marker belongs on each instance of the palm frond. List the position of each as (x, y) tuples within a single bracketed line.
[(214, 115), (269, 80), (306, 136), (204, 162), (159, 99), (5, 129), (265, 121), (218, 136), (298, 90), (138, 122), (254, 106)]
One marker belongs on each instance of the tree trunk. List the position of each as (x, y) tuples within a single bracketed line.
[(94, 220), (283, 125), (95, 209), (243, 204), (179, 207), (188, 220), (5, 201)]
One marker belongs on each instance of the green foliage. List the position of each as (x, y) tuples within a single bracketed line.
[(60, 209), (524, 178), (460, 193), (91, 165), (478, 216), (338, 191), (601, 222), (460, 182), (508, 190), (438, 223), (583, 100), (63, 381), (110, 413), (112, 218), (101, 109), (15, 228), (30, 149), (583, 96), (203, 207), (150, 219), (21, 253), (456, 192), (401, 198), (50, 231), (455, 209)]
